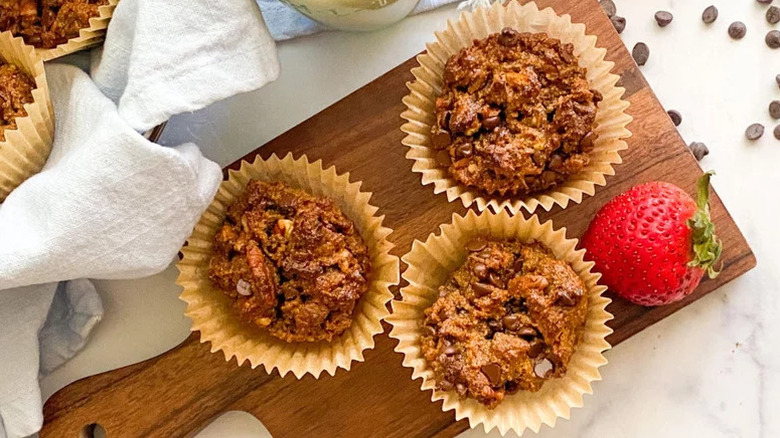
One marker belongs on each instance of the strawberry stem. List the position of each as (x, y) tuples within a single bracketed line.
[(706, 245)]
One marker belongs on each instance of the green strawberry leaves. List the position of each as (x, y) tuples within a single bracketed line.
[(706, 245)]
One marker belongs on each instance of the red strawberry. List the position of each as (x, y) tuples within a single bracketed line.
[(653, 243)]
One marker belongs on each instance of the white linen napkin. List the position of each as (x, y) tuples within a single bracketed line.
[(108, 203)]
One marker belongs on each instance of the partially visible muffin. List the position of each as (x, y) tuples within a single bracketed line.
[(47, 23), (516, 114), (507, 320), (292, 263), (15, 91)]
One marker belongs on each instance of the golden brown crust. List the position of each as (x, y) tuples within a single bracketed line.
[(507, 320), (292, 263), (15, 91), (47, 23), (515, 114)]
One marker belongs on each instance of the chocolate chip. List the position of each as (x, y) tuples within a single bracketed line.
[(494, 325), (556, 161), (517, 266), (587, 141), (773, 15), (774, 109), (511, 387), (526, 332), (441, 140), (641, 53), (464, 151), (536, 348), (460, 389), (663, 18), (675, 116), (699, 150), (495, 280), (773, 39), (543, 367), (737, 30), (446, 385), (491, 123), (619, 23), (776, 132), (482, 289), (609, 7), (481, 270), (777, 79), (512, 322), (493, 372), (429, 330), (754, 131), (709, 15), (566, 298), (443, 159), (508, 37), (450, 351), (476, 245)]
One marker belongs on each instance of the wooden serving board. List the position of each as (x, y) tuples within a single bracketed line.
[(181, 391)]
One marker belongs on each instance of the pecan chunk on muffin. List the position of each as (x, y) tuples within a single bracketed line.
[(507, 320), (516, 114), (47, 23), (291, 262), (15, 91)]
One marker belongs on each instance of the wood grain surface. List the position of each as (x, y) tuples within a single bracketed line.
[(178, 393)]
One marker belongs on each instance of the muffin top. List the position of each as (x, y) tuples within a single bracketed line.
[(291, 262), (15, 91), (515, 115), (47, 23), (507, 320)]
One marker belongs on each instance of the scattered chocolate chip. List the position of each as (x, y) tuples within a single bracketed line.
[(773, 39), (709, 15), (440, 140), (774, 109), (542, 367), (536, 348), (450, 350), (566, 298), (494, 325), (482, 289), (588, 141), (663, 18), (491, 123), (737, 30), (495, 280), (640, 53), (517, 266), (699, 150), (493, 372), (511, 322), (609, 7), (464, 151), (773, 15), (511, 387), (777, 79), (675, 116), (776, 132), (526, 332), (476, 245), (619, 23), (443, 158), (429, 330), (446, 385), (243, 287), (481, 270), (754, 131), (460, 389), (508, 37)]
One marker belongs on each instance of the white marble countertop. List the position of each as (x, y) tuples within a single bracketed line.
[(712, 369)]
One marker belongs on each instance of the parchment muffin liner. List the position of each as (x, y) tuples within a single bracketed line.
[(611, 119), (429, 265), (218, 323), (88, 37), (26, 149)]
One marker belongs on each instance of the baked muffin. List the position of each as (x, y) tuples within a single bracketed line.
[(15, 91), (515, 115), (507, 320), (291, 262), (47, 23)]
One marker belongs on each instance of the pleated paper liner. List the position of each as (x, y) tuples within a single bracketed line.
[(26, 149), (611, 119), (211, 311), (429, 265), (88, 37)]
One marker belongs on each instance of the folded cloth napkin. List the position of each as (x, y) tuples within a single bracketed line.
[(108, 203), (285, 23)]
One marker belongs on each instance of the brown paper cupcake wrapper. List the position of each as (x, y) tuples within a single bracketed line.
[(431, 262), (88, 37), (611, 119), (211, 311), (26, 149)]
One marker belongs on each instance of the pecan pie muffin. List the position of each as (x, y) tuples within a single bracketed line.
[(47, 23), (291, 262), (507, 320), (15, 91), (515, 115)]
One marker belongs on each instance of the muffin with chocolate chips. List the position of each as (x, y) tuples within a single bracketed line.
[(47, 23), (16, 88), (292, 263), (507, 320), (516, 115)]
